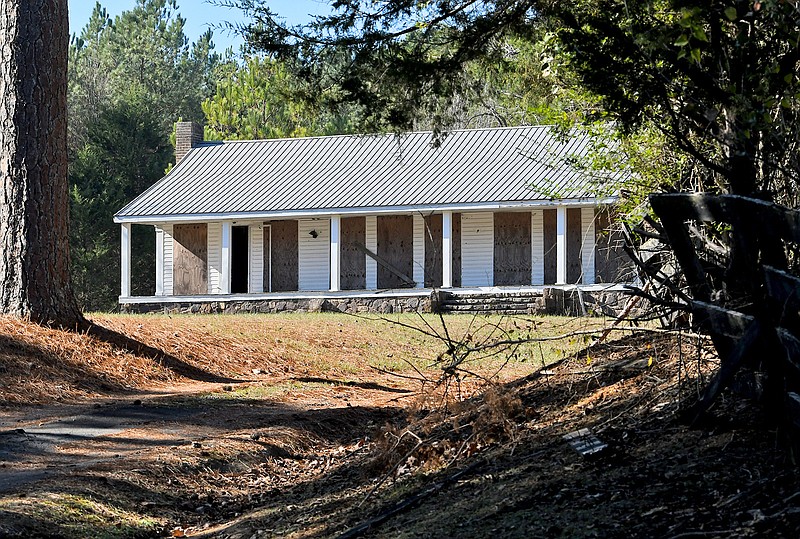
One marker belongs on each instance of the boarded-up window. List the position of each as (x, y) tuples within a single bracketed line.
[(456, 249), (612, 264), (190, 263), (284, 255), (353, 261), (433, 250), (574, 241), (550, 255), (512, 248), (396, 251)]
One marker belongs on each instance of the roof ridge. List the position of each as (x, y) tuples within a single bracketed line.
[(373, 135)]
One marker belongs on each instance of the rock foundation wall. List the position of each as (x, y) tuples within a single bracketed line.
[(551, 301)]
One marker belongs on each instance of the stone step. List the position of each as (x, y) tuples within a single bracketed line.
[(488, 306), (489, 311)]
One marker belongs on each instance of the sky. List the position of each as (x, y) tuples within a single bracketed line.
[(200, 15)]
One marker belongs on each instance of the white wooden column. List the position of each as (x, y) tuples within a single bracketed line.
[(159, 261), (587, 245), (336, 253), (537, 247), (125, 262), (225, 273), (561, 245), (371, 240), (169, 259), (418, 264), (447, 249), (256, 280)]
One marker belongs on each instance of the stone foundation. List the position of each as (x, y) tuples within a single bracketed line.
[(546, 301), (385, 305)]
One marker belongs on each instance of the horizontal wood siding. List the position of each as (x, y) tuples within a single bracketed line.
[(169, 256), (419, 250), (477, 249), (537, 247), (433, 250), (214, 258), (284, 254), (587, 244), (512, 249), (190, 266), (256, 281), (314, 254), (353, 263), (456, 249), (372, 245)]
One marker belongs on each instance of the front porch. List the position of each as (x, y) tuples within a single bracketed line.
[(338, 258)]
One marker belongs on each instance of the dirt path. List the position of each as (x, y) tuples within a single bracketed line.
[(39, 443)]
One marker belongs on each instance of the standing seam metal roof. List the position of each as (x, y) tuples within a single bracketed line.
[(499, 165)]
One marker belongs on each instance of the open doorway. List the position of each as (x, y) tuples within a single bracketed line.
[(240, 256)]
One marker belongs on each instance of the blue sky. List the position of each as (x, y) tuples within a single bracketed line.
[(199, 15)]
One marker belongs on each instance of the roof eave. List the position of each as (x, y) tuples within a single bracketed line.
[(376, 210)]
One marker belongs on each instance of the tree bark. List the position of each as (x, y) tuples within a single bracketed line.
[(34, 209)]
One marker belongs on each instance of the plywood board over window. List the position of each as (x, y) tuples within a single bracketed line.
[(433, 250), (353, 262), (190, 265), (550, 218), (612, 264), (512, 248), (396, 251), (574, 244), (284, 256)]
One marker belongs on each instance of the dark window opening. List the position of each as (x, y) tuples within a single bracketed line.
[(239, 259)]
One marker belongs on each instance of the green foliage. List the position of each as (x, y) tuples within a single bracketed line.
[(717, 79), (129, 79), (259, 100), (126, 151)]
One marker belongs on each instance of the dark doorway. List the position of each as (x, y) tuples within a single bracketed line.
[(239, 259)]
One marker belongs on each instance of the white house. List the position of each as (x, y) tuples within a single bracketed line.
[(500, 207)]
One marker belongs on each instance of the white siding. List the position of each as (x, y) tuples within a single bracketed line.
[(372, 244), (256, 281), (169, 259), (419, 251), (477, 249), (214, 257), (587, 245), (537, 247), (314, 254)]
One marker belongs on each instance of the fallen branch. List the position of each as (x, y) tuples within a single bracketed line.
[(408, 503)]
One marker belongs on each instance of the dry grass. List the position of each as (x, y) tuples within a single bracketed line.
[(46, 365)]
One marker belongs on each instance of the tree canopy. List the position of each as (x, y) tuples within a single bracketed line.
[(716, 78)]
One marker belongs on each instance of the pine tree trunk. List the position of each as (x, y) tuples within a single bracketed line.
[(34, 209)]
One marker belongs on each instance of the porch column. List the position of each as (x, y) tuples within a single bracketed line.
[(561, 245), (447, 249), (336, 227), (418, 250), (225, 269), (159, 261), (125, 262)]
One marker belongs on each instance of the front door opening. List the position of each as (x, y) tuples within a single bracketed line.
[(239, 259)]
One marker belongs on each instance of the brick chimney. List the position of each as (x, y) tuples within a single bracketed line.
[(188, 135)]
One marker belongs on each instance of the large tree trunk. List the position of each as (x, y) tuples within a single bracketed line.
[(34, 209)]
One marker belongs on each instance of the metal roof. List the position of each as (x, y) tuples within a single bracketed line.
[(369, 173)]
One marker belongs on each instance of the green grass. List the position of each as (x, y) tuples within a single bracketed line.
[(77, 516)]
